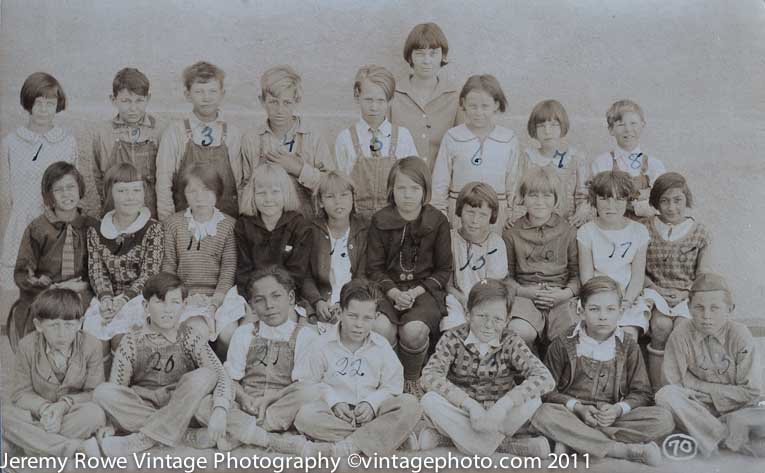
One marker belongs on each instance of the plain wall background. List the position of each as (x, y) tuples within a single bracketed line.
[(696, 67)]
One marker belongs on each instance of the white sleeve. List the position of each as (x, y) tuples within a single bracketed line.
[(344, 156), (236, 358), (406, 145), (442, 177), (303, 345), (584, 235)]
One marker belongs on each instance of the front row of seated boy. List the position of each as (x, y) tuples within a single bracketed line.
[(294, 389)]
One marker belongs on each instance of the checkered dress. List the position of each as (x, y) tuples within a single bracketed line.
[(673, 264)]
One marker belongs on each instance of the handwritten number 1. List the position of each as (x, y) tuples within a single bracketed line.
[(34, 158)]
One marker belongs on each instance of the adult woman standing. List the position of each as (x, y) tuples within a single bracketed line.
[(425, 103)]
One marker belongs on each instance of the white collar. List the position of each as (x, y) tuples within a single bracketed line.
[(280, 333), (594, 349), (203, 230), (624, 154), (385, 127), (671, 232), (195, 122), (499, 134), (109, 230), (54, 135), (483, 348)]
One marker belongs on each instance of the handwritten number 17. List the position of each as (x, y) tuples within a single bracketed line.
[(628, 245)]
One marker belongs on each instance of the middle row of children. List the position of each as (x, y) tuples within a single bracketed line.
[(425, 269)]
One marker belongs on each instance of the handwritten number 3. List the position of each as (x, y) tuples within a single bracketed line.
[(628, 244), (207, 137)]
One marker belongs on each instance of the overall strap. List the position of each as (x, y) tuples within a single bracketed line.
[(644, 165), (355, 141), (225, 131), (299, 143), (393, 141), (614, 165), (187, 126)]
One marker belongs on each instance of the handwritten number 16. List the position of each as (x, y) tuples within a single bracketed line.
[(628, 244)]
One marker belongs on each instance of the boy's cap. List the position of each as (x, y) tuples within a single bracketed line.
[(707, 282)]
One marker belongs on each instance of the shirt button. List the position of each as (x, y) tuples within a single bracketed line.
[(424, 115), (424, 135)]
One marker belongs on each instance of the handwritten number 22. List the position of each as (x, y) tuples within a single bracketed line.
[(628, 244)]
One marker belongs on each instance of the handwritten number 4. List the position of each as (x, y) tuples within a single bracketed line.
[(628, 244)]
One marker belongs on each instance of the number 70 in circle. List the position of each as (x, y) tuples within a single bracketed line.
[(679, 447)]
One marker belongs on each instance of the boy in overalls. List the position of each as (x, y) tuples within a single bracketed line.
[(285, 138), (130, 137), (373, 91), (159, 377), (203, 137), (626, 121), (261, 357)]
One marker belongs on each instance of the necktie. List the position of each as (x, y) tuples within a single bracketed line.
[(67, 255), (375, 144)]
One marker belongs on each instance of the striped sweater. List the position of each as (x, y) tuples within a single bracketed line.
[(206, 267)]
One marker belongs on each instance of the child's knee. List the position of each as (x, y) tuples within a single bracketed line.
[(384, 327), (669, 395), (524, 330), (432, 402), (105, 393), (414, 334), (661, 327)]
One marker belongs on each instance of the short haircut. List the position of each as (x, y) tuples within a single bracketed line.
[(132, 80), (333, 181), (665, 182), (475, 194), (377, 75), (202, 72), (426, 36), (278, 79), (57, 304), (209, 176), (540, 180), (617, 110), (486, 83), (268, 174), (416, 169), (361, 290), (160, 284), (122, 172), (548, 111), (42, 84), (598, 285), (710, 282), (54, 173), (488, 290), (280, 275), (616, 184)]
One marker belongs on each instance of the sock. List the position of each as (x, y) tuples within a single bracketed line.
[(412, 359)]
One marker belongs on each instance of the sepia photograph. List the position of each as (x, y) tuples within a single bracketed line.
[(401, 235)]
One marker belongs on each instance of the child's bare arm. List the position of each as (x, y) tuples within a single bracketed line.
[(586, 264), (635, 287)]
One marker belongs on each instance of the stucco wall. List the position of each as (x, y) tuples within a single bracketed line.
[(696, 67)]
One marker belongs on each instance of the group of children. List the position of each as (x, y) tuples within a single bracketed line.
[(336, 289)]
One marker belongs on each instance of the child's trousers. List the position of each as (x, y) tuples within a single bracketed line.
[(454, 422), (166, 424), (640, 425), (81, 422), (279, 416), (395, 419), (700, 419)]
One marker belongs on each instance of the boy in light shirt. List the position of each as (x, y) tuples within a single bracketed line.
[(361, 406)]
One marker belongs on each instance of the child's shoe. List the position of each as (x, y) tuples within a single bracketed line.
[(412, 386), (227, 443), (198, 438), (560, 449), (525, 446), (648, 453), (127, 445), (288, 443), (431, 438)]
